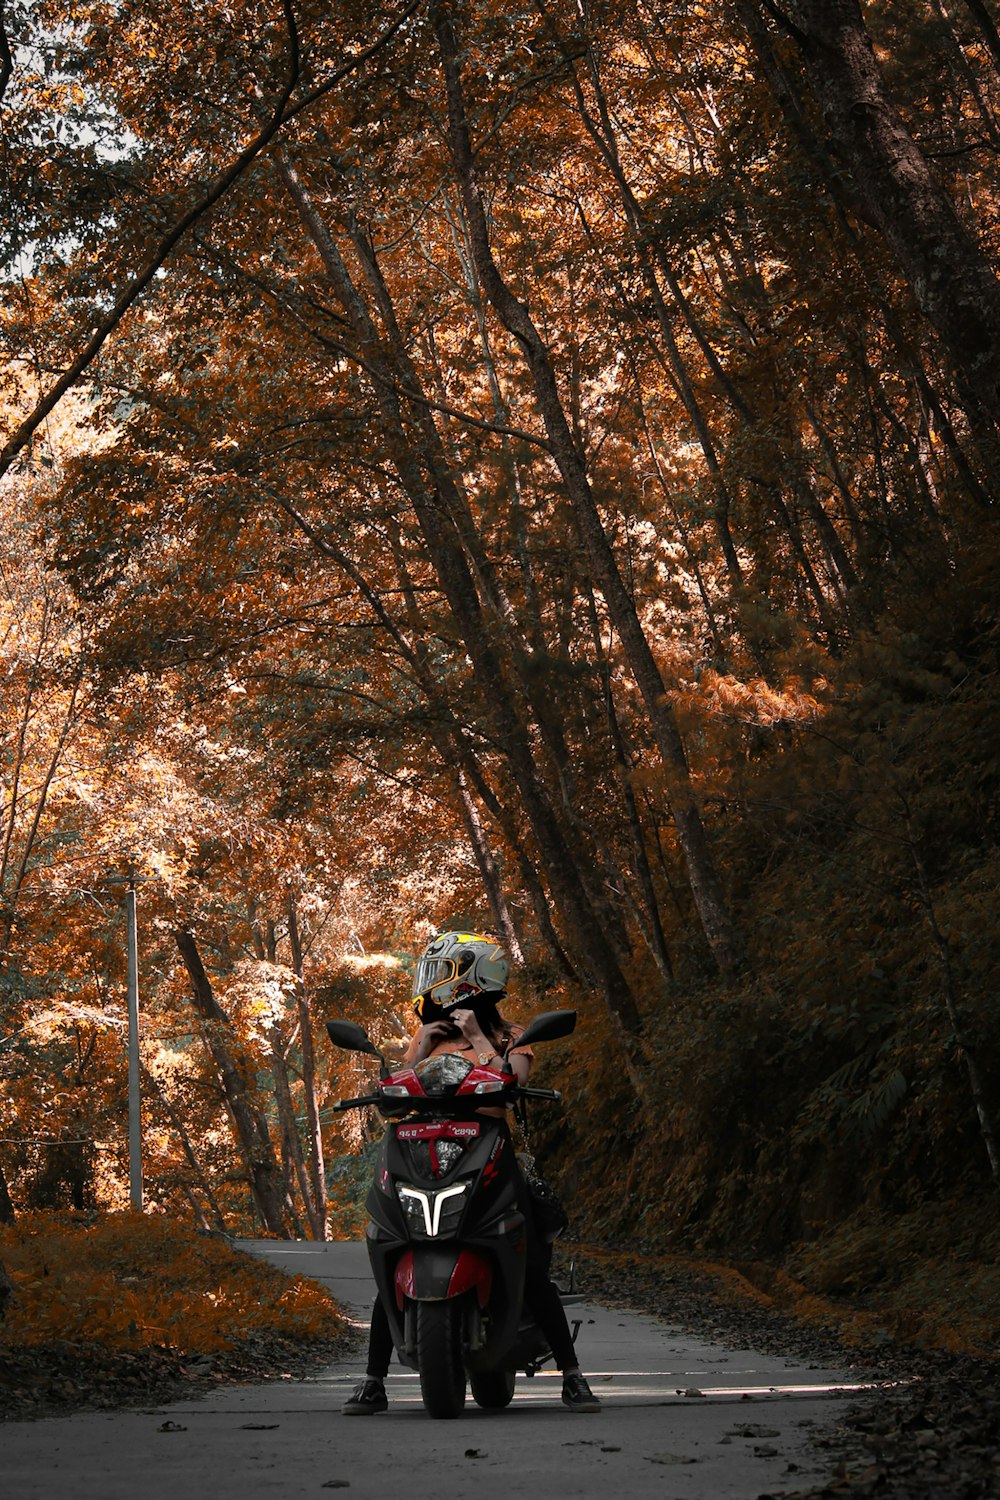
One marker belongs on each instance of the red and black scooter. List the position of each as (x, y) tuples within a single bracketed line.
[(446, 1237)]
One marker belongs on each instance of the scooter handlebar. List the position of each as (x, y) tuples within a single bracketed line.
[(473, 1102)]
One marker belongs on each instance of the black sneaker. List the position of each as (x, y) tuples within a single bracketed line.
[(577, 1395), (366, 1399)]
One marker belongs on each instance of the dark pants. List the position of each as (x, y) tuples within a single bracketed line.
[(540, 1296)]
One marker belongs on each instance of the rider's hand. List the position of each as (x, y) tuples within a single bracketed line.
[(470, 1028), (428, 1037)]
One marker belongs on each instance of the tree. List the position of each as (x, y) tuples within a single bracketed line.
[(483, 514), (951, 278)]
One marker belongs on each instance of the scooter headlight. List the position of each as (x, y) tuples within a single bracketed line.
[(432, 1211)]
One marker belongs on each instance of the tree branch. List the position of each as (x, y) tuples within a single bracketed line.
[(279, 115), (134, 288), (785, 22), (352, 64)]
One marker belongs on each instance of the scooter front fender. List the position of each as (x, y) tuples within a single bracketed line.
[(434, 1273)]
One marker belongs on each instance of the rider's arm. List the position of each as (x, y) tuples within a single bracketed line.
[(520, 1065), (424, 1040), (486, 1052), (519, 1061)]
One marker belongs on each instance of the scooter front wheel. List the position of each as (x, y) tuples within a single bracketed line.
[(493, 1389), (439, 1358)]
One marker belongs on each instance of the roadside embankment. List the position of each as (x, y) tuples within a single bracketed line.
[(124, 1309)]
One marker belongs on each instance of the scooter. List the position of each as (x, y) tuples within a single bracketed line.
[(446, 1236)]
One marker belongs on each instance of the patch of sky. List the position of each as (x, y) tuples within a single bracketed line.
[(76, 121)]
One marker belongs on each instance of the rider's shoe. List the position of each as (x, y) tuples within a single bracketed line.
[(366, 1399), (577, 1395)]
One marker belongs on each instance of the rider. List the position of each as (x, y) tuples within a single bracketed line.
[(459, 979)]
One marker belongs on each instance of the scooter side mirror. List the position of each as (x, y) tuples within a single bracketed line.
[(352, 1037), (548, 1027)]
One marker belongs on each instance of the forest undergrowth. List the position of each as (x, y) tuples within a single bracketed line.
[(814, 1125), (114, 1309)]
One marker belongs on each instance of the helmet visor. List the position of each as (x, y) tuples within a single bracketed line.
[(433, 972), (429, 972)]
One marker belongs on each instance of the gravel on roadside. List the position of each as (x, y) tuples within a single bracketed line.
[(47, 1380), (929, 1430)]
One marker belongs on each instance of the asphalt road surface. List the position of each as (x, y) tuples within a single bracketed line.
[(746, 1434)]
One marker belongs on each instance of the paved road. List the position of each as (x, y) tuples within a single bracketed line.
[(734, 1442)]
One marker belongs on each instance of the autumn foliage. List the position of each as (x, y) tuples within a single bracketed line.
[(528, 467), (130, 1283)]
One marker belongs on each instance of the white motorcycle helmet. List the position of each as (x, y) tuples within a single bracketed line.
[(453, 969)]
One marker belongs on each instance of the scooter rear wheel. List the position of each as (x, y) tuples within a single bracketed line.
[(439, 1358), (493, 1389)]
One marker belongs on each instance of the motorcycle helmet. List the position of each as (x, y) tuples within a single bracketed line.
[(455, 969)]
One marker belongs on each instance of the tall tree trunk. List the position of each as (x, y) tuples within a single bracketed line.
[(290, 1180), (652, 256), (317, 1166), (196, 1208), (265, 943), (488, 870), (291, 1142), (847, 204), (723, 936), (987, 26), (950, 277), (264, 1171), (652, 928), (506, 822), (447, 743), (530, 880), (683, 532), (502, 412), (965, 74), (435, 506), (7, 1215), (6, 1291), (837, 473), (526, 672), (176, 1120)]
